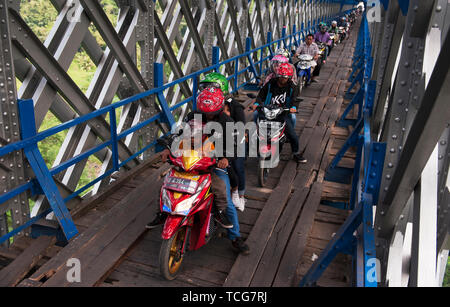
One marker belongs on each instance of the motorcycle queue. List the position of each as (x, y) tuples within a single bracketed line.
[(187, 203)]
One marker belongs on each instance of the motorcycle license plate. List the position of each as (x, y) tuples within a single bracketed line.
[(182, 185)]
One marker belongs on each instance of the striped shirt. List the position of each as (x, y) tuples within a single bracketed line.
[(312, 49)]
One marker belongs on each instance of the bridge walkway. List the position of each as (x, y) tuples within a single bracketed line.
[(285, 224)]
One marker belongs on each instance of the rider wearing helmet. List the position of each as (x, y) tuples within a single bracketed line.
[(274, 63), (334, 28), (311, 48), (283, 52), (323, 36), (283, 92), (210, 106), (234, 110), (343, 23)]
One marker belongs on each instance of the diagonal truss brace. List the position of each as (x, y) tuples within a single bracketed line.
[(43, 176)]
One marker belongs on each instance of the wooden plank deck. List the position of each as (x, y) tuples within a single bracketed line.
[(285, 224)]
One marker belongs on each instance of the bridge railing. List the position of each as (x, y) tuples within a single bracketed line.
[(43, 182), (366, 176)]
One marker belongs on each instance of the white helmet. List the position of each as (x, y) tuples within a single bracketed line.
[(334, 22), (283, 52)]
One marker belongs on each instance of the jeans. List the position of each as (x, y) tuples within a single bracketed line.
[(291, 134), (239, 169), (221, 185)]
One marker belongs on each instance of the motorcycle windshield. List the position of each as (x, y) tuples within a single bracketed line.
[(195, 159), (271, 114), (270, 129)]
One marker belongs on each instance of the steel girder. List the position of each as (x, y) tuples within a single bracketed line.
[(46, 81), (12, 166), (417, 137)]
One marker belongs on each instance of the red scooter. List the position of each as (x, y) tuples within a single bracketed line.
[(187, 201)]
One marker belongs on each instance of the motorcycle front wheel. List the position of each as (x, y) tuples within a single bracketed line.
[(171, 254)]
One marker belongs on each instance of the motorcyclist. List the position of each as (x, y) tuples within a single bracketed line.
[(283, 52), (343, 23), (311, 48), (234, 110), (281, 56), (323, 36), (334, 30), (210, 105), (282, 91)]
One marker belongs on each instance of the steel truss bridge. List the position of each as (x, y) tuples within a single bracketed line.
[(397, 114)]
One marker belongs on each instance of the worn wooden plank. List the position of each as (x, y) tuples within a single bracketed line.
[(217, 255), (340, 131), (101, 253), (317, 111), (335, 88), (245, 266), (335, 112), (139, 275), (327, 112), (304, 138), (297, 242), (325, 159), (312, 153), (103, 262), (9, 253), (324, 231), (19, 268), (273, 252), (326, 217), (91, 202), (326, 89)]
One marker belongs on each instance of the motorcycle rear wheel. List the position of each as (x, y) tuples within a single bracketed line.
[(263, 174), (171, 254)]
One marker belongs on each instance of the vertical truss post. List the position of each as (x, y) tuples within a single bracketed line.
[(216, 58), (159, 81), (12, 171), (149, 133), (43, 176), (248, 45)]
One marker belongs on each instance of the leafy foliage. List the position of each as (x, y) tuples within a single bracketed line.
[(40, 16), (446, 282)]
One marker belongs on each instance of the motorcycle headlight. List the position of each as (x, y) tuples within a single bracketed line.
[(184, 207)]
